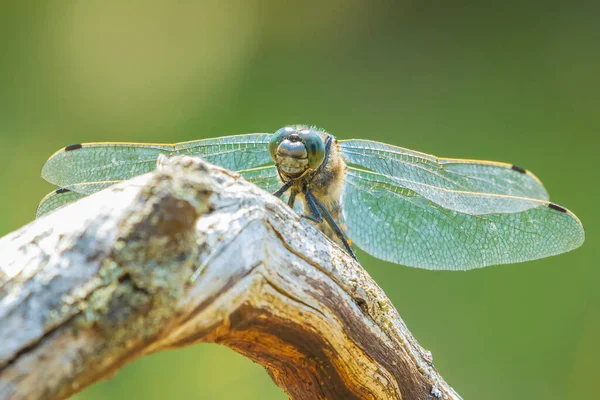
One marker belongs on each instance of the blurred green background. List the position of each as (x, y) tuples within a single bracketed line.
[(510, 81)]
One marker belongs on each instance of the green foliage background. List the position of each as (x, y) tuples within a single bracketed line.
[(509, 81)]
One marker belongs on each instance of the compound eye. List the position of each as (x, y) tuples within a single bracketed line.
[(314, 147), (279, 136)]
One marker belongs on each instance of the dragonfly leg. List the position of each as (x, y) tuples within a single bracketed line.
[(292, 198), (315, 214), (328, 142), (283, 189), (338, 231)]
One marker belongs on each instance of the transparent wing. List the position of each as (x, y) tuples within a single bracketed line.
[(55, 200), (102, 162), (235, 153), (264, 177), (400, 225), (434, 178)]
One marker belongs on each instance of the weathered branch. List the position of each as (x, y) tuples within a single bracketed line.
[(106, 280)]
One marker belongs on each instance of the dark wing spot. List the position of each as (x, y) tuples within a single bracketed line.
[(73, 147), (557, 207), (62, 190), (519, 169)]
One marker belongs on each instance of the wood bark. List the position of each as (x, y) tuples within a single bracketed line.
[(106, 280)]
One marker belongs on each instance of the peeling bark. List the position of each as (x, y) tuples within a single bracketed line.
[(106, 280)]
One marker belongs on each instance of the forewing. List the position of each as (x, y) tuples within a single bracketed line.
[(55, 200), (400, 225), (235, 153), (434, 178), (101, 162), (107, 162)]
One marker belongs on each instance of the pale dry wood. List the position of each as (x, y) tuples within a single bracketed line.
[(106, 280)]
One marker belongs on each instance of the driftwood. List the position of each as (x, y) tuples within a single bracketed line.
[(106, 280)]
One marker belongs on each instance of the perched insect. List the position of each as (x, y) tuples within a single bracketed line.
[(399, 205)]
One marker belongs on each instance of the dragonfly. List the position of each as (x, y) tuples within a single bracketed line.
[(396, 204)]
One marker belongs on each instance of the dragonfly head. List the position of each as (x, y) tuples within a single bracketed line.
[(296, 150)]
